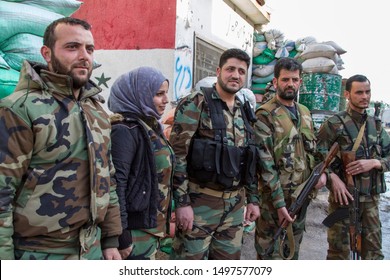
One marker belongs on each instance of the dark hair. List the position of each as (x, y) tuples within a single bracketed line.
[(355, 78), (234, 53), (49, 38), (287, 63)]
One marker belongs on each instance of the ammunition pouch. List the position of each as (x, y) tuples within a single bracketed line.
[(212, 161)]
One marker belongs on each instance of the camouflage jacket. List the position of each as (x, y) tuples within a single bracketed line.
[(192, 117), (55, 166), (344, 128), (287, 147)]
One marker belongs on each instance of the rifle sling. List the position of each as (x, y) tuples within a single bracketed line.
[(359, 138), (291, 242)]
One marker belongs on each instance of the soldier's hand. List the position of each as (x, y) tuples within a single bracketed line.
[(340, 192), (126, 252), (362, 165), (184, 218), (252, 212), (111, 254), (284, 217)]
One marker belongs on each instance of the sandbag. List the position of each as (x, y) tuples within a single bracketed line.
[(63, 7), (282, 52), (265, 57), (289, 45), (3, 63), (258, 88), (274, 38), (302, 43), (293, 53), (339, 50), (8, 81), (258, 37), (318, 50), (20, 47), (262, 80), (20, 18), (318, 65), (265, 69), (258, 48)]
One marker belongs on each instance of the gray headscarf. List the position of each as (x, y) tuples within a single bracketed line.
[(133, 92)]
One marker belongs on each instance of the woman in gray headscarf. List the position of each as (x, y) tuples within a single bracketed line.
[(143, 160)]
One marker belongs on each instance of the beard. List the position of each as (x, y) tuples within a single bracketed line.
[(78, 81), (287, 95), (226, 88)]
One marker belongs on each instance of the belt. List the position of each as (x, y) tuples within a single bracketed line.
[(222, 194)]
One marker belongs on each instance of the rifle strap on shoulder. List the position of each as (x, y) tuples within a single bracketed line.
[(359, 138), (291, 242)]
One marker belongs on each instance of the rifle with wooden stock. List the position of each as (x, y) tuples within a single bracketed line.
[(355, 227), (301, 200)]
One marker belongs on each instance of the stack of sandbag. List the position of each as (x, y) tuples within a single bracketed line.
[(268, 48), (321, 57), (22, 25), (264, 59)]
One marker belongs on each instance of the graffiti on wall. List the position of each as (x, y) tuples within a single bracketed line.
[(183, 72), (238, 30)]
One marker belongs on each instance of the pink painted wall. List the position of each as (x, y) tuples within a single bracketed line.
[(130, 24)]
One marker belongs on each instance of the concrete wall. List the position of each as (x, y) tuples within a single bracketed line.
[(215, 22)]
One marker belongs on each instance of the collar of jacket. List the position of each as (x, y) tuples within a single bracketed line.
[(35, 76), (356, 116)]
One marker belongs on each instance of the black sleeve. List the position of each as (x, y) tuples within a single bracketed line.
[(125, 143)]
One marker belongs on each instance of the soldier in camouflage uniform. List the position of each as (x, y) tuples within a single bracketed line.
[(210, 210), (372, 160), (143, 160), (285, 137), (57, 198)]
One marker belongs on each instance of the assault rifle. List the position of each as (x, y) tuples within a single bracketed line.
[(301, 200), (355, 228), (378, 121), (351, 212)]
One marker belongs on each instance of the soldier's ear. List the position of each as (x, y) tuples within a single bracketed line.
[(46, 53), (346, 94), (275, 82)]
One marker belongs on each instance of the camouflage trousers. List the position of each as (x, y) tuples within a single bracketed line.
[(91, 250), (266, 227), (338, 234), (145, 245), (218, 228)]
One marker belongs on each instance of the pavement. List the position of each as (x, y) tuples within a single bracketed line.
[(314, 244)]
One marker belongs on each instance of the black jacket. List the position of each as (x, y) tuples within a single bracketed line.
[(137, 182)]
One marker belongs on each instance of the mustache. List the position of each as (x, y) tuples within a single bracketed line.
[(82, 64)]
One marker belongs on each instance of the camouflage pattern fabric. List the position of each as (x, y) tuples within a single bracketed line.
[(370, 184), (193, 116), (267, 225), (55, 167), (165, 163), (338, 234), (145, 245), (218, 230), (91, 250), (287, 145)]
